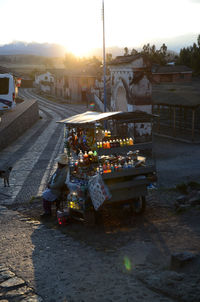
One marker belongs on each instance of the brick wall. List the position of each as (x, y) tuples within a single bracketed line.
[(14, 123)]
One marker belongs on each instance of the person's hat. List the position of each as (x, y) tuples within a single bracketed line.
[(62, 159)]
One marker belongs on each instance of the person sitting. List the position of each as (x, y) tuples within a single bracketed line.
[(55, 185)]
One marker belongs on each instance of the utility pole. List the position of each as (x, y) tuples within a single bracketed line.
[(104, 59)]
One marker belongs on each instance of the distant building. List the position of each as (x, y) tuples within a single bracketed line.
[(171, 74), (131, 87), (44, 81), (73, 86)]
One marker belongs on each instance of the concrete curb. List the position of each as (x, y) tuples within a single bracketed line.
[(14, 123)]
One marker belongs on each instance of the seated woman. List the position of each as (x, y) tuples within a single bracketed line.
[(55, 185)]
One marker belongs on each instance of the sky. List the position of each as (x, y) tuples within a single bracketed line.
[(77, 24)]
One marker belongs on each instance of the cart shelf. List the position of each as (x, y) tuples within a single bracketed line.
[(128, 184), (130, 172), (125, 149)]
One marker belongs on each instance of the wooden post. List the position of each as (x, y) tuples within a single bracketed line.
[(170, 112), (174, 120), (185, 117), (158, 118), (180, 118), (193, 120)]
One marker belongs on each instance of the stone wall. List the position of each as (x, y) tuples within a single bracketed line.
[(15, 122)]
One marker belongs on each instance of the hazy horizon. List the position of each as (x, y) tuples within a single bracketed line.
[(36, 48)]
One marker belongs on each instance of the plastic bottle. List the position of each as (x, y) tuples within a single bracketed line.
[(100, 169), (125, 165), (108, 168), (127, 142), (80, 156), (129, 164), (104, 168), (130, 141), (106, 133), (121, 142), (85, 156), (90, 155), (108, 145), (109, 133), (124, 142)]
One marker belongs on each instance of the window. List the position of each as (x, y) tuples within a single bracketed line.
[(46, 78), (4, 85)]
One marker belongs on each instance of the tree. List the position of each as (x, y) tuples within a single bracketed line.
[(125, 51), (190, 57), (108, 57), (155, 56), (198, 40), (134, 52)]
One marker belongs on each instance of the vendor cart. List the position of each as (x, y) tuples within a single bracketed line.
[(111, 161)]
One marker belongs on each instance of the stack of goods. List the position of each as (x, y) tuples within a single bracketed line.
[(85, 164), (108, 141), (110, 164), (80, 139)]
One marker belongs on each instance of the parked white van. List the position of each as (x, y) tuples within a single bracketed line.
[(8, 91)]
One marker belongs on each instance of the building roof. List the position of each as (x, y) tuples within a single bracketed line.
[(176, 95), (70, 73), (157, 69), (125, 59)]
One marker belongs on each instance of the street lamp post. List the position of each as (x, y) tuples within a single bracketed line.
[(104, 59)]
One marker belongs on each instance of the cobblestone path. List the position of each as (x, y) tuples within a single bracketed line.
[(32, 155)]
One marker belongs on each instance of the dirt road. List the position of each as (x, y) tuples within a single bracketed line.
[(176, 162)]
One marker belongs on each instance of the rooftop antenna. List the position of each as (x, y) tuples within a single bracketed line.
[(104, 59)]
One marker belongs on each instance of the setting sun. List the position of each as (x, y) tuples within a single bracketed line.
[(77, 24)]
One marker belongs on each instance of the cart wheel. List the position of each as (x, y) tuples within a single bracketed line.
[(139, 205), (89, 217)]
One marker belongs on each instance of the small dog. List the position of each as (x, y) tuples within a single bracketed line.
[(5, 174)]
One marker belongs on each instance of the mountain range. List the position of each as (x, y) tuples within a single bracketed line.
[(37, 49), (55, 50)]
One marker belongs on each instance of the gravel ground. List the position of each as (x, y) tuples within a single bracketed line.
[(132, 253), (125, 258), (60, 268)]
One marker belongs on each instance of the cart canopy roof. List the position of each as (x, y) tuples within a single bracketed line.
[(93, 117)]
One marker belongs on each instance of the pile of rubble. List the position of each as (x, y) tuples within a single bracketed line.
[(190, 198), (179, 281)]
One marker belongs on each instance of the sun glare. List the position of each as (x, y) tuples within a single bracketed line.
[(78, 50)]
